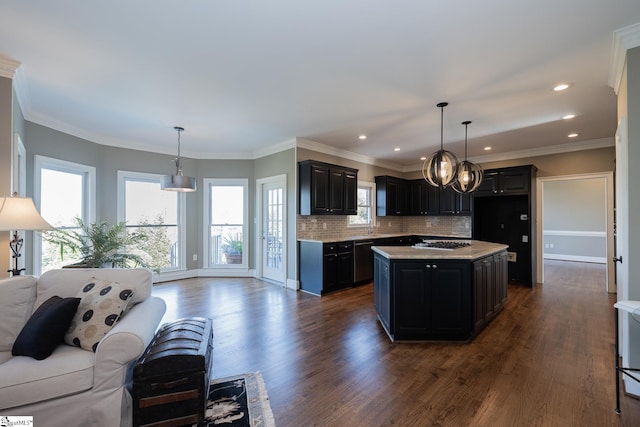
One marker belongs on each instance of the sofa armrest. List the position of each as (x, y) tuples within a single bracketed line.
[(125, 343)]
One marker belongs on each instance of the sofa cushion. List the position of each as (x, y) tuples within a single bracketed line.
[(23, 380), (67, 282), (17, 295), (45, 329), (103, 303)]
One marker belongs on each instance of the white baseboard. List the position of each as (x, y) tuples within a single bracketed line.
[(578, 258), (293, 284)]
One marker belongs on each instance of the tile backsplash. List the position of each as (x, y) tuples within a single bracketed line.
[(324, 227)]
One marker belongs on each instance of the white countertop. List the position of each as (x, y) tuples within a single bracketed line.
[(377, 236), (477, 249)]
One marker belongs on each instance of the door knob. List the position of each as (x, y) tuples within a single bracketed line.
[(618, 259)]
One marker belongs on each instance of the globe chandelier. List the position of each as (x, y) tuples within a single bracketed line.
[(440, 168), (469, 174)]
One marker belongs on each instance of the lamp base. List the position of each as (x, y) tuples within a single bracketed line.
[(16, 271)]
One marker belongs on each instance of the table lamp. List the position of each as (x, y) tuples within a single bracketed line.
[(19, 213)]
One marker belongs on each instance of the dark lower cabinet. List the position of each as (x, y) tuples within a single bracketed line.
[(333, 273), (490, 288), (447, 300), (382, 292)]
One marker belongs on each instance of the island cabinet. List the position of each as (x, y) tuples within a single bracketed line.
[(326, 189), (325, 267), (431, 300), (489, 287), (423, 294)]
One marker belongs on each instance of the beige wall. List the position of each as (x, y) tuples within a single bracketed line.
[(6, 119)]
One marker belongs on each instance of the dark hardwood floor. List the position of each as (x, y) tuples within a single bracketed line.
[(546, 360)]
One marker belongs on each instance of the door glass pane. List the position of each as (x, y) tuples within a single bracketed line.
[(274, 228)]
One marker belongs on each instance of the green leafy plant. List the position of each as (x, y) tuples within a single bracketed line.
[(232, 246), (99, 244)]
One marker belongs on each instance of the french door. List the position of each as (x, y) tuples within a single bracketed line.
[(273, 229)]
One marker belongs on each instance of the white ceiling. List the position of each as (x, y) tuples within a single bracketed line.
[(243, 76)]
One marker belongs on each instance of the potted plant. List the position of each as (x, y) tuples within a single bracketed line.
[(99, 244), (232, 250)]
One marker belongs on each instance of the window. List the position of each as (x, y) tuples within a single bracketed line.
[(366, 203), (158, 214), (66, 191), (226, 203)]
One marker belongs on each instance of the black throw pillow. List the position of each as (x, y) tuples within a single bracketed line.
[(45, 330)]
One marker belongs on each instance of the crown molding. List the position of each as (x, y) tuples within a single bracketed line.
[(8, 66), (327, 149), (536, 152), (623, 39)]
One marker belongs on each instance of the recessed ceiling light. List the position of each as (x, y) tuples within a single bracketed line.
[(487, 148), (573, 135), (560, 87), (363, 137), (568, 116), (396, 149), (423, 158)]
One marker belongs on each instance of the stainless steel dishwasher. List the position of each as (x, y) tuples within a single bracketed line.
[(362, 261)]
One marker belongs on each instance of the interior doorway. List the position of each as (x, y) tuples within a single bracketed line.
[(272, 231), (601, 198)]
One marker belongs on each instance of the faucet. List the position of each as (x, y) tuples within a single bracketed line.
[(370, 229)]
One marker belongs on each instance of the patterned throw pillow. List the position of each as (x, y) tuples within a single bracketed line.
[(102, 304)]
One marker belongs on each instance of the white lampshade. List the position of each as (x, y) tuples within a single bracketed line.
[(19, 213)]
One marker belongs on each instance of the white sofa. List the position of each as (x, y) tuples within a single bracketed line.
[(74, 387)]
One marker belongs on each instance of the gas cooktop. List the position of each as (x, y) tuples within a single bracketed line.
[(447, 245)]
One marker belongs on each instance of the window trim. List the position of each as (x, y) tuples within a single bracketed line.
[(206, 221), (89, 195), (182, 232), (372, 187)]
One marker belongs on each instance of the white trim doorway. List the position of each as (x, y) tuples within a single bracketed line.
[(610, 285), (262, 251)]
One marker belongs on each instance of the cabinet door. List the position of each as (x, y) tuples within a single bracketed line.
[(382, 291), (500, 276), (412, 308), (479, 286), (451, 300), (345, 265), (396, 198), (516, 181), (489, 184), (416, 198), (448, 201), (487, 271), (350, 193), (330, 272), (336, 191), (320, 190), (465, 203)]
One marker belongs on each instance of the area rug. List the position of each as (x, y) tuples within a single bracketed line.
[(239, 401)]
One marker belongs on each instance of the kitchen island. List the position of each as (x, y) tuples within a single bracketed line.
[(437, 293)]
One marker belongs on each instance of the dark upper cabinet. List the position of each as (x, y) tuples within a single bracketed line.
[(397, 196), (506, 181), (424, 199), (326, 189), (391, 196), (454, 203)]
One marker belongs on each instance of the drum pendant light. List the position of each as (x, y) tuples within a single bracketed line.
[(178, 182), (439, 169), (469, 174)]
